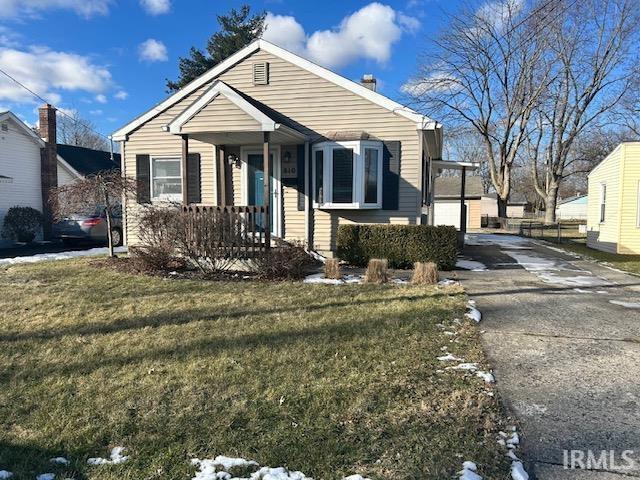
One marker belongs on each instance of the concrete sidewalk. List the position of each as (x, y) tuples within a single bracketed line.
[(563, 336)]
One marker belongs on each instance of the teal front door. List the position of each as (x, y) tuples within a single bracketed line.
[(255, 183)]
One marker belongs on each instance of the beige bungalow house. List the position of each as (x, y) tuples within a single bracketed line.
[(338, 152), (613, 202)]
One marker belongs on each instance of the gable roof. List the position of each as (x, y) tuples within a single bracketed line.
[(248, 105), (86, 161), (572, 199), (8, 115), (449, 187), (422, 122)]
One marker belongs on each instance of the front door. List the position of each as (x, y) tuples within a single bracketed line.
[(255, 186)]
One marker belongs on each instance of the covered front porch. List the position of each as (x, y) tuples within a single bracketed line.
[(259, 157)]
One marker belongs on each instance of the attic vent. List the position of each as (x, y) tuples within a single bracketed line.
[(4, 127), (261, 73)]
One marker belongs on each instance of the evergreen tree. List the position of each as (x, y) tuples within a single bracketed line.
[(237, 30)]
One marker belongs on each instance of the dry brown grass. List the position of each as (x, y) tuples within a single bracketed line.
[(332, 269), (377, 271), (424, 273)]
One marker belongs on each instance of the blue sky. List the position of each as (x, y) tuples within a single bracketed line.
[(108, 59)]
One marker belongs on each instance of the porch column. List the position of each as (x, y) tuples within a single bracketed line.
[(183, 167), (222, 176), (267, 190), (463, 206)]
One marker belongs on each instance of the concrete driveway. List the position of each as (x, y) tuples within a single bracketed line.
[(563, 336)]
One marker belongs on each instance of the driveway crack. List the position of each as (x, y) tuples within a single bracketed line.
[(568, 337)]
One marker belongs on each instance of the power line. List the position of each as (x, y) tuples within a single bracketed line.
[(39, 97)]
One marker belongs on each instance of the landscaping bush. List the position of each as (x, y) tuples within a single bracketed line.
[(401, 245), (424, 273), (377, 271), (157, 231), (287, 261), (22, 224)]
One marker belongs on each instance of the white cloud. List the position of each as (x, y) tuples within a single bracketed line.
[(156, 7), (96, 113), (435, 82), (101, 98), (46, 72), (498, 13), (153, 51), (368, 33), (121, 95), (85, 8)]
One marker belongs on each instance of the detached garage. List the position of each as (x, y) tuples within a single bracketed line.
[(447, 201)]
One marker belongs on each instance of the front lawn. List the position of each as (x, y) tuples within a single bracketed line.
[(627, 263), (327, 380)]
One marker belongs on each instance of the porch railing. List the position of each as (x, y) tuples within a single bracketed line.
[(233, 231)]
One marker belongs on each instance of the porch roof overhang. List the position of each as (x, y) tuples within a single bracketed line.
[(259, 120), (452, 165)]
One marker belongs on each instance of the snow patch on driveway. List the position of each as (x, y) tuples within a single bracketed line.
[(625, 304), (471, 265)]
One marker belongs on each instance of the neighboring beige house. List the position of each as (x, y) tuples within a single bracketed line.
[(516, 208), (613, 221), (339, 151), (447, 201)]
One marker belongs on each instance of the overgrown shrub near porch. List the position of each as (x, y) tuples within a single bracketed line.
[(401, 245), (22, 224)]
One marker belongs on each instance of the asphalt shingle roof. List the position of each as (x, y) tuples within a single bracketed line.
[(87, 161)]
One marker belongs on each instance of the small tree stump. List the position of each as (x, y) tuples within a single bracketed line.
[(424, 273), (376, 271), (332, 269)]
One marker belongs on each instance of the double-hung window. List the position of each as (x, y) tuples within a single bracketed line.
[(347, 175), (603, 202), (166, 179)]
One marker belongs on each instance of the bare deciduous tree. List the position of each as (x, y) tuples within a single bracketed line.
[(593, 64), (85, 195), (74, 130), (487, 75)]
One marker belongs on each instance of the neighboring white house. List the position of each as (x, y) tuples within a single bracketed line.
[(572, 208), (22, 162)]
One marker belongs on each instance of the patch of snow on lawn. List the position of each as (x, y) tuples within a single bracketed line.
[(60, 460), (468, 471), (5, 474), (449, 358), (625, 304), (116, 458), (448, 281), (518, 472), (46, 476), (471, 265), (44, 257), (472, 312), (318, 278), (217, 469), (473, 368)]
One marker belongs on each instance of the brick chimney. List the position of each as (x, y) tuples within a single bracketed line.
[(369, 81), (48, 162)]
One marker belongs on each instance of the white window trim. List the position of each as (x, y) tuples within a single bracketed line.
[(638, 206), (603, 201), (167, 197), (358, 147)]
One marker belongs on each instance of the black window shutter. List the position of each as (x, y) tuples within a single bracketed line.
[(391, 175), (193, 178), (143, 176), (301, 185)]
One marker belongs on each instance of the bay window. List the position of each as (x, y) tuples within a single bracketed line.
[(166, 179), (347, 175)]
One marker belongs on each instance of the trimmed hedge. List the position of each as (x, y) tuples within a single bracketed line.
[(401, 245)]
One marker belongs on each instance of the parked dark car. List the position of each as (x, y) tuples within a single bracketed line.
[(90, 228)]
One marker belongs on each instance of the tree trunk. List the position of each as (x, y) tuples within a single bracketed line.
[(502, 207), (109, 236), (550, 203)]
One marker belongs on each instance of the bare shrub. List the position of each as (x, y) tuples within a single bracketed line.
[(332, 269), (425, 273), (158, 230), (376, 271), (286, 261)]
